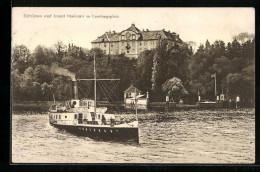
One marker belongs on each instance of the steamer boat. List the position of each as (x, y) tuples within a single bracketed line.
[(84, 118)]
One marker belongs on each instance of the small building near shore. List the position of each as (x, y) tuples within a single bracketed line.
[(130, 95)]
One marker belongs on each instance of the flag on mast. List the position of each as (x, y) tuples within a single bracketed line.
[(213, 75)]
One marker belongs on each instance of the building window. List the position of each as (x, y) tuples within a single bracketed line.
[(59, 117), (75, 116), (133, 43), (111, 45), (127, 51), (105, 44), (123, 37), (65, 116), (133, 50), (141, 43), (133, 36), (98, 116)]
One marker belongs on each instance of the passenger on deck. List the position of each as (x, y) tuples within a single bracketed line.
[(112, 121), (73, 104), (103, 120)]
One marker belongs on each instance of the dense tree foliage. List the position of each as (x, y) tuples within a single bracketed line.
[(157, 71), (174, 88), (234, 68)]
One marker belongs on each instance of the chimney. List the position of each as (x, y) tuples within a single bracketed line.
[(163, 29), (133, 25), (147, 30), (114, 32), (76, 91), (143, 30)]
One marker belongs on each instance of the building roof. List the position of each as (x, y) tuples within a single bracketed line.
[(145, 35), (132, 89), (132, 28), (107, 37)]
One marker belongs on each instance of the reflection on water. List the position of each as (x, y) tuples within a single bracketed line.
[(178, 137)]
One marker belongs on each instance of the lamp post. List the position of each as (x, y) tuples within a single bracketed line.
[(198, 95), (217, 101), (237, 101), (215, 76)]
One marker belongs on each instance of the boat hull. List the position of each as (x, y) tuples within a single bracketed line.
[(102, 133)]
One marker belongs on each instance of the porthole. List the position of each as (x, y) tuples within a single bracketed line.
[(98, 130), (86, 129), (94, 129), (105, 131), (111, 131)]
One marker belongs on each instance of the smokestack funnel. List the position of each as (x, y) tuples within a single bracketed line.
[(76, 91)]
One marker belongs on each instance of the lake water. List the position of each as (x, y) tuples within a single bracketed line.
[(193, 136)]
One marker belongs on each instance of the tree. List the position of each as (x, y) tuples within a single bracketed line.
[(20, 53), (144, 70), (47, 91), (15, 85), (233, 82), (159, 68), (42, 56), (26, 84), (179, 57), (98, 54), (42, 74), (20, 56), (234, 50), (174, 88), (60, 49), (200, 68), (243, 37)]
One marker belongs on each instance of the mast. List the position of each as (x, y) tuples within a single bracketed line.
[(95, 86), (95, 83), (215, 84), (54, 99), (135, 105)]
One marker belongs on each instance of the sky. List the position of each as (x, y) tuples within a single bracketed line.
[(192, 24)]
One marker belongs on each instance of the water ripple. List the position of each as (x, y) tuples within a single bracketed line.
[(192, 136)]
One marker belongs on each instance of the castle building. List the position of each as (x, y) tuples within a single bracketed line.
[(132, 41)]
